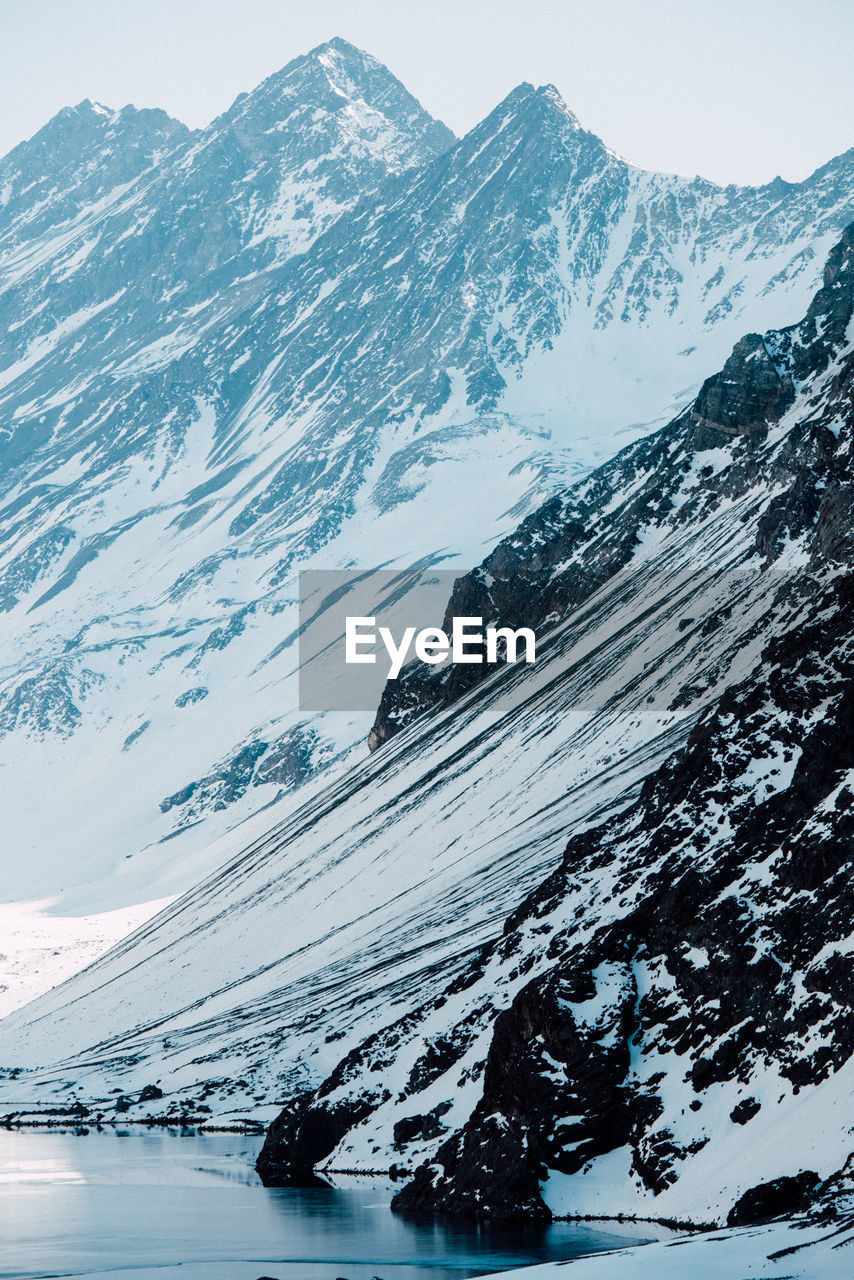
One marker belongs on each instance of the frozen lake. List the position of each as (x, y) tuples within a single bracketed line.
[(145, 1204)]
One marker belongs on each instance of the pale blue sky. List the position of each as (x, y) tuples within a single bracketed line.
[(738, 90)]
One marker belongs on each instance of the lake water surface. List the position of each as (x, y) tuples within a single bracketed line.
[(154, 1204)]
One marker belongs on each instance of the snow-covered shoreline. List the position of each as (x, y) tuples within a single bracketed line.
[(791, 1249)]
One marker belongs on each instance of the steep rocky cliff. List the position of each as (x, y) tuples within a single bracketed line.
[(664, 1025)]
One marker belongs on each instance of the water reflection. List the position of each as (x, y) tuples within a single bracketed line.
[(141, 1203)]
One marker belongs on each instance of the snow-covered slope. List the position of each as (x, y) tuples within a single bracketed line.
[(41, 949), (676, 985), (319, 332)]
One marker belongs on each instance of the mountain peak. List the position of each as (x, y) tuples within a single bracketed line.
[(536, 117), (350, 71), (541, 102), (86, 113), (347, 69), (342, 50), (89, 108), (74, 131), (357, 97)]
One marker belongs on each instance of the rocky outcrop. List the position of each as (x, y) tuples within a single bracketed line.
[(747, 395), (546, 1061), (774, 1199), (300, 1138), (287, 762)]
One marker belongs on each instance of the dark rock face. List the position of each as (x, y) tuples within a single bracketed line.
[(300, 1138), (543, 1063), (310, 1127), (421, 1126), (722, 1017), (745, 1110), (493, 1172), (748, 393), (697, 939), (774, 1199), (151, 1093)]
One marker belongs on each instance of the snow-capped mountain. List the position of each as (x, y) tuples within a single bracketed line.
[(316, 331), (123, 239), (650, 1018)]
